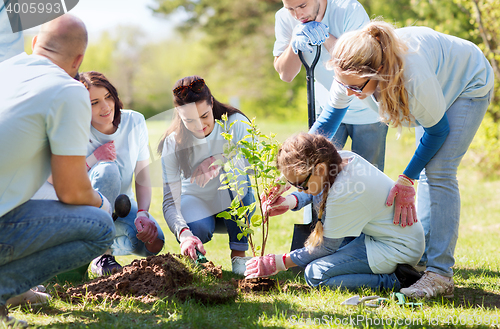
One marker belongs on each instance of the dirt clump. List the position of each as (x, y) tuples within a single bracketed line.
[(255, 284), (148, 279)]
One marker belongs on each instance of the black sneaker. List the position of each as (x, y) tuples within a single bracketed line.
[(407, 275), (104, 265)]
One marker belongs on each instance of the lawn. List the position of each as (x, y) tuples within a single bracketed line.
[(477, 272)]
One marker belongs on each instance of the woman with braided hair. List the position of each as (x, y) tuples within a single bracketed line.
[(353, 190)]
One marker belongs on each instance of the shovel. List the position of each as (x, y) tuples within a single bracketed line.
[(302, 231)]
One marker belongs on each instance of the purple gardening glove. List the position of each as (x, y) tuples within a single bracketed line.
[(264, 266), (404, 206), (146, 228), (205, 172)]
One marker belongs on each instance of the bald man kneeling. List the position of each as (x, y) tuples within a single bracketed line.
[(44, 128)]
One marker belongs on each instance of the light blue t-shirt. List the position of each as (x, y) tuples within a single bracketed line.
[(131, 144), (202, 149), (11, 44), (340, 16), (438, 69), (356, 204), (43, 111)]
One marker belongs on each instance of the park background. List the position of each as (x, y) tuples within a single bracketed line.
[(229, 43)]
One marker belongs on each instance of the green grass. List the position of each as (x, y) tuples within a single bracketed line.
[(477, 273)]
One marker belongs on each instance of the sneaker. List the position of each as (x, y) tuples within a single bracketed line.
[(33, 297), (407, 275), (9, 321), (104, 265), (431, 285), (238, 264)]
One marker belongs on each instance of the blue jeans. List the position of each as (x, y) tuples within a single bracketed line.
[(204, 228), (105, 178), (368, 141), (345, 267), (438, 196), (42, 238)]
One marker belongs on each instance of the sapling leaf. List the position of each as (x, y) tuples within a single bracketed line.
[(256, 220), (235, 203), (224, 215)]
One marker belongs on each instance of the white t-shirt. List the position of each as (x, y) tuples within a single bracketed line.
[(131, 144), (11, 44), (43, 111), (356, 204), (438, 69), (202, 149), (340, 16)]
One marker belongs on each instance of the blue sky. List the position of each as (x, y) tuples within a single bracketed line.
[(101, 15)]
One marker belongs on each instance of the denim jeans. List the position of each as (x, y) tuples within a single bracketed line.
[(105, 178), (346, 267), (204, 228), (42, 238), (438, 196), (367, 140)]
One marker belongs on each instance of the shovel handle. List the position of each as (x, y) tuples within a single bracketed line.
[(310, 83)]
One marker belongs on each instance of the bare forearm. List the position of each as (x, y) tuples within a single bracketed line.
[(330, 44), (143, 194), (287, 65), (71, 182)]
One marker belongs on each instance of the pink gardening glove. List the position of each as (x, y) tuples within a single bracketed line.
[(189, 244), (146, 228), (106, 152), (264, 266), (205, 172), (279, 206), (276, 191), (404, 207)]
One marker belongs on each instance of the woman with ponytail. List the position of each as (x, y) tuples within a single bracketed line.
[(442, 85), (191, 195), (382, 254)]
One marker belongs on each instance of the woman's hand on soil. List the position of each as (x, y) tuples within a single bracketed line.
[(189, 244), (264, 266)]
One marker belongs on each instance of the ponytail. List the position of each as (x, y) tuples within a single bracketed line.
[(377, 53)]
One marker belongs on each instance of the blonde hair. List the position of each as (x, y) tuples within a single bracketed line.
[(376, 52), (301, 154)]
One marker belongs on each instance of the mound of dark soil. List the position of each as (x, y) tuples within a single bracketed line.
[(148, 279)]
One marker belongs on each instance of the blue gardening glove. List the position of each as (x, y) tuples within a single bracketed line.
[(300, 42), (316, 32)]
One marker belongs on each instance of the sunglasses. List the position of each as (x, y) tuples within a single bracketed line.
[(356, 89), (303, 186), (196, 86)]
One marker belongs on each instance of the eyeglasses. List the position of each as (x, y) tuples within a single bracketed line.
[(303, 186), (196, 86), (356, 89)]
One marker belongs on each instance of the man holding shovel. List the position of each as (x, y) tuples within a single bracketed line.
[(302, 23)]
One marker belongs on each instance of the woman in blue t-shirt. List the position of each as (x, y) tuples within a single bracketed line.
[(443, 85), (188, 149)]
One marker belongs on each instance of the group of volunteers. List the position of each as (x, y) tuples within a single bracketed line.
[(60, 175)]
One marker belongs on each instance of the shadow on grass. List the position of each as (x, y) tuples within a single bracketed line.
[(474, 294)]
